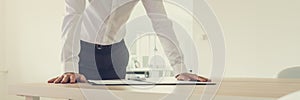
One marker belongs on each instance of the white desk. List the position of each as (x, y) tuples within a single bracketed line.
[(248, 87)]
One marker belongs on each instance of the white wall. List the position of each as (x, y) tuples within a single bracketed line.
[(2, 75), (1, 33), (33, 40), (262, 36)]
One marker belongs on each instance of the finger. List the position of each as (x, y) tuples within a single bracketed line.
[(205, 79), (65, 79), (194, 77), (180, 79), (52, 80), (191, 77), (58, 80), (201, 79), (82, 79), (197, 78), (72, 79), (183, 78)]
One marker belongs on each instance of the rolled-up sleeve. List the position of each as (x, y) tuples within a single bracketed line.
[(71, 36), (163, 26)]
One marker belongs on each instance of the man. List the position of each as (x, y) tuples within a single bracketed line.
[(93, 40)]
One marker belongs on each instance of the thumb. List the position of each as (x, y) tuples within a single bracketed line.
[(82, 79)]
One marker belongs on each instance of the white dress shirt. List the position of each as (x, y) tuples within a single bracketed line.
[(102, 22)]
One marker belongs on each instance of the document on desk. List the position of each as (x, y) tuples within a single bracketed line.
[(146, 82)]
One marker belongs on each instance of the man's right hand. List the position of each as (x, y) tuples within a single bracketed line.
[(68, 77)]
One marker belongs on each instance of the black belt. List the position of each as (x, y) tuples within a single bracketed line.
[(99, 46), (102, 46)]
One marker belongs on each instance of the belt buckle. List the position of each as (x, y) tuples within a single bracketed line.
[(99, 47)]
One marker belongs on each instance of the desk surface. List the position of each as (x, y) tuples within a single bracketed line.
[(249, 87)]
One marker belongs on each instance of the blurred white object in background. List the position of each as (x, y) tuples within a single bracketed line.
[(157, 61), (292, 96), (292, 72)]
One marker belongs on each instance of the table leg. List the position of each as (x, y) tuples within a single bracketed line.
[(32, 98)]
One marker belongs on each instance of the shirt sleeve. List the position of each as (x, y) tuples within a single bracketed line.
[(163, 26), (71, 36)]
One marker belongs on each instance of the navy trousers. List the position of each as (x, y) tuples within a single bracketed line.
[(103, 62)]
